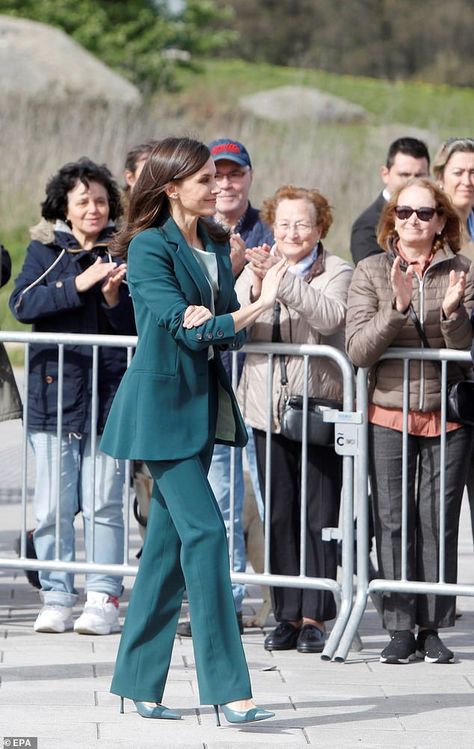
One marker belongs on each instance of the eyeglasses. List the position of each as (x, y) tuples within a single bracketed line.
[(234, 176), (301, 226), (424, 214)]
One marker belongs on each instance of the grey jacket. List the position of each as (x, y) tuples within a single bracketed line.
[(10, 401)]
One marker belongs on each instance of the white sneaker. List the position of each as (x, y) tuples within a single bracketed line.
[(100, 615), (54, 618)]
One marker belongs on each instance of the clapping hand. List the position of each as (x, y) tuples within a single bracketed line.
[(454, 292), (237, 254), (271, 282), (95, 273), (260, 260), (110, 288), (402, 285)]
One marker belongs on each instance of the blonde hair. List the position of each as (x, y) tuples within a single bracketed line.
[(446, 150)]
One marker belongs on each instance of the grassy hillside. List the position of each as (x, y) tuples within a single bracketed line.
[(442, 108), (342, 160)]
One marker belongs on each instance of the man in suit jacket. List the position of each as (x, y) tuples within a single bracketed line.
[(406, 158)]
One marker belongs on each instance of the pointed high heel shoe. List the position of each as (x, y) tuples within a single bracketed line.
[(158, 711), (245, 716)]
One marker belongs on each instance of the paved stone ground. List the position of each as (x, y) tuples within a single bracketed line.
[(55, 687)]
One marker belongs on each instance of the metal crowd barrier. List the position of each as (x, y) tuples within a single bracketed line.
[(364, 587), (347, 423), (351, 433)]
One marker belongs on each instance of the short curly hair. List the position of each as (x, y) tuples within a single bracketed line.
[(84, 170), (290, 192), (452, 229)]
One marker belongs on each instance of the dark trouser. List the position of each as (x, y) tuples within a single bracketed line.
[(324, 495), (404, 611), (185, 545), (470, 489)]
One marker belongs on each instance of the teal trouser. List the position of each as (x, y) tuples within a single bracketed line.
[(185, 546)]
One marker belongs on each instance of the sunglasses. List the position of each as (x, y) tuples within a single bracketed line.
[(424, 214)]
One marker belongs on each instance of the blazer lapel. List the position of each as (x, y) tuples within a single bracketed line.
[(186, 257), (224, 268)]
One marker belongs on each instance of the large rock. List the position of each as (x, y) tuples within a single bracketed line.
[(296, 102), (40, 63)]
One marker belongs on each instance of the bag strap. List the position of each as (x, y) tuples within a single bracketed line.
[(422, 334), (418, 326), (276, 338)]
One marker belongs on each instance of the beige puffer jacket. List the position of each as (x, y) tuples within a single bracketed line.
[(311, 313), (373, 325)]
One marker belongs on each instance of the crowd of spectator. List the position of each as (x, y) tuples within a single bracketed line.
[(413, 286)]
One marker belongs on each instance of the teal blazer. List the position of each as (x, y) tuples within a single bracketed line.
[(160, 410)]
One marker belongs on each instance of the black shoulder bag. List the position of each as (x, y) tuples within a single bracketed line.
[(319, 432)]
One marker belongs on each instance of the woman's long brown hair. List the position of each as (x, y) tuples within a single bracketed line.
[(171, 160)]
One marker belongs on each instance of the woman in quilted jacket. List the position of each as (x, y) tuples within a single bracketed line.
[(419, 292)]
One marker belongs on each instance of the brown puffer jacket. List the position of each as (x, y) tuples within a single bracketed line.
[(311, 313), (373, 325)]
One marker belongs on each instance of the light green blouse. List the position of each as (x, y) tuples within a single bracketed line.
[(208, 263)]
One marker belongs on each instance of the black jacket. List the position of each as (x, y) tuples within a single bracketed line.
[(6, 268), (363, 235)]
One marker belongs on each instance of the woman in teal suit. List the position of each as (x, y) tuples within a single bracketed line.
[(174, 402)]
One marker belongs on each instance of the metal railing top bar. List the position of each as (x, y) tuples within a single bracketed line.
[(68, 339), (412, 586), (440, 354)]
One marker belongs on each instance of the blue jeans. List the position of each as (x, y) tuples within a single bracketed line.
[(253, 472), (76, 466), (219, 479)]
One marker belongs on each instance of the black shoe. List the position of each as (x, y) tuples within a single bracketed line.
[(430, 647), (283, 637), (311, 639), (184, 628), (400, 649)]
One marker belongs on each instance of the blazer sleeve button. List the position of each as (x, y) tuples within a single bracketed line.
[(198, 336), (220, 333), (209, 336)]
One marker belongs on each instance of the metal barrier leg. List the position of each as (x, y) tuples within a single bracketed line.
[(347, 559), (350, 634)]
